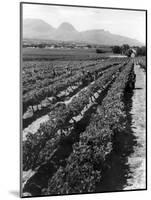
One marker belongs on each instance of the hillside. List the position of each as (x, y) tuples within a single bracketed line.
[(39, 29)]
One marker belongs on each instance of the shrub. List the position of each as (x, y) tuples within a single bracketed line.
[(116, 49), (141, 51), (99, 51)]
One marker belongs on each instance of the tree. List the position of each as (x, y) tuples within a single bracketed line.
[(125, 48), (141, 51), (116, 49)]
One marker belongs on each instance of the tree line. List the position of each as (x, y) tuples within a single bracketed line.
[(125, 49)]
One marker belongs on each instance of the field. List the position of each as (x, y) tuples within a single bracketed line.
[(30, 54), (76, 121)]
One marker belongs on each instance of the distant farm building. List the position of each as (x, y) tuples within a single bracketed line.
[(133, 53)]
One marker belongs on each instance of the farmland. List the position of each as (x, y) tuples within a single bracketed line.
[(32, 54), (75, 120)]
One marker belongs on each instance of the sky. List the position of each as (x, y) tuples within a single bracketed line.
[(123, 22)]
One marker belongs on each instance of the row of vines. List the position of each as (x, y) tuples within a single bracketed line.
[(81, 169)]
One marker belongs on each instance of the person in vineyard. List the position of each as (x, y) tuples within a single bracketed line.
[(83, 78), (83, 73), (53, 73), (100, 73), (133, 79), (95, 75), (67, 69), (89, 77), (70, 71)]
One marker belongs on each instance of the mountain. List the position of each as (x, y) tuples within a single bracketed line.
[(65, 32), (36, 29), (39, 29), (66, 27), (107, 38)]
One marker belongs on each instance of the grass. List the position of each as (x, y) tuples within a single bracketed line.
[(30, 54)]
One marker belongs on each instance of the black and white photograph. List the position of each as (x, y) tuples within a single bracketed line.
[(83, 99)]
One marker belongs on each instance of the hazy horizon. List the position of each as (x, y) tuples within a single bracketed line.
[(122, 22)]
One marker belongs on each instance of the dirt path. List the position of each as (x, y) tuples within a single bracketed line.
[(136, 160)]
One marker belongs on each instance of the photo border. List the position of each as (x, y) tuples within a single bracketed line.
[(20, 95)]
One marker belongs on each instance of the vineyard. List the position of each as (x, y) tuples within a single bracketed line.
[(83, 107)]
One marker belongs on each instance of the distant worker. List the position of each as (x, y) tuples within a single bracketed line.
[(89, 77), (67, 69), (95, 75), (83, 73), (83, 78), (133, 80), (53, 73), (70, 71), (100, 73)]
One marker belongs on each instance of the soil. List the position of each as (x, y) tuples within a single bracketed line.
[(137, 160)]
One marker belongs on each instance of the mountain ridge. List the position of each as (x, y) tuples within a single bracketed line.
[(39, 29)]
